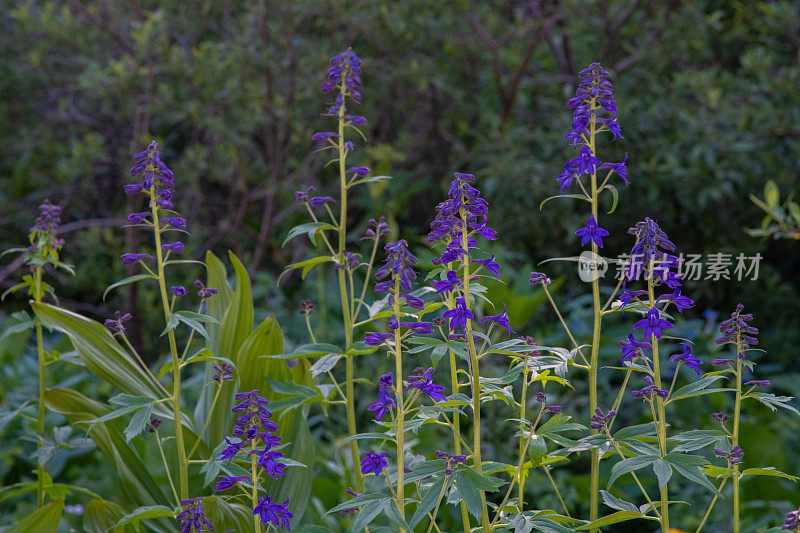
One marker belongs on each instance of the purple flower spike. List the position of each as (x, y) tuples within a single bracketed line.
[(274, 513), (539, 278), (192, 519), (385, 401), (129, 259), (423, 380), (592, 232)]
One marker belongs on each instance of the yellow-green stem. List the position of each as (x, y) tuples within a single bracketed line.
[(254, 479), (400, 419), (348, 320), (183, 474), (711, 506), (37, 297), (736, 412), (476, 387), (662, 417), (205, 426), (523, 404), (593, 359), (166, 468)]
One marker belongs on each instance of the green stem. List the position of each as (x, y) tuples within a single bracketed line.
[(476, 387), (558, 493), (593, 360), (711, 506), (400, 419), (436, 509), (205, 426), (254, 479), (37, 296), (736, 413), (635, 477), (662, 417), (563, 323), (173, 348), (523, 404), (166, 469)]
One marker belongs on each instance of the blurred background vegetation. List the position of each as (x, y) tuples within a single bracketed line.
[(709, 106)]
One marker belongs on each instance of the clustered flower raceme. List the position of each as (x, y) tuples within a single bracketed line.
[(117, 324), (451, 459), (343, 73), (734, 456), (158, 182), (651, 256), (553, 409), (792, 522), (253, 429), (192, 519), (601, 420), (45, 231)]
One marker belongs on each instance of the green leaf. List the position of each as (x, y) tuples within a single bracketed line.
[(629, 465), (768, 471), (615, 197), (126, 404), (370, 179), (325, 363), (693, 473), (696, 388), (615, 518), (252, 368), (132, 279), (358, 501), (139, 422), (537, 449), (368, 513), (773, 402), (469, 485), (237, 324), (42, 520), (616, 503), (663, 472), (99, 351), (99, 516), (143, 513), (428, 501), (312, 229), (771, 194), (306, 265), (574, 196)]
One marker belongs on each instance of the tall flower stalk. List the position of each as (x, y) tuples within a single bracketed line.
[(157, 183), (594, 111)]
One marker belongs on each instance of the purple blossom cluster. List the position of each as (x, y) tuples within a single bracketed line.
[(254, 430), (192, 519), (734, 456), (158, 182), (792, 521), (47, 224), (451, 459)]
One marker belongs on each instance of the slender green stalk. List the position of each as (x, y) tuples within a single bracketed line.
[(563, 323), (523, 404), (346, 307), (711, 506), (254, 479), (37, 297), (141, 361), (183, 473), (400, 419), (635, 477), (662, 417), (475, 374), (436, 509), (166, 468), (456, 418), (598, 310), (736, 413), (205, 426), (558, 493)]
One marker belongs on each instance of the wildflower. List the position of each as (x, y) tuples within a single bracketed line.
[(451, 460), (118, 322), (736, 329), (652, 324), (385, 400), (553, 409), (720, 417), (344, 71), (687, 358), (459, 315), (174, 247), (601, 420), (302, 196), (652, 252), (377, 227), (423, 380), (792, 520), (152, 427), (226, 482), (633, 348), (681, 302), (449, 284), (591, 232), (224, 373), (354, 494), (721, 362), (359, 171), (541, 398), (306, 307), (734, 456), (177, 290), (273, 512), (376, 339), (649, 390), (539, 278), (324, 135), (357, 121), (321, 200), (489, 264), (619, 168), (205, 292), (138, 218), (175, 222), (501, 320), (374, 463), (759, 383), (192, 519), (129, 259), (421, 328)]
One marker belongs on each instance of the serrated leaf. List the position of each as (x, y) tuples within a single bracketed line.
[(616, 503), (663, 472)]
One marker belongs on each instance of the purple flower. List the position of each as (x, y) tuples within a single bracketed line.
[(651, 253), (649, 390), (321, 200), (377, 228), (133, 189), (232, 449), (539, 278), (226, 482), (385, 400), (722, 362), (192, 519), (356, 120), (489, 264), (421, 328), (361, 171), (459, 315), (501, 320), (399, 263), (374, 463), (205, 292), (734, 456), (267, 460), (601, 420), (224, 373), (681, 302), (736, 329), (720, 417), (759, 383), (553, 409), (792, 520), (138, 218), (302, 196), (687, 358), (273, 512), (619, 168), (129, 259), (174, 247), (177, 290), (423, 380), (653, 324), (306, 307), (449, 284), (592, 232), (633, 348), (175, 222), (344, 72), (324, 135), (376, 339), (118, 322)]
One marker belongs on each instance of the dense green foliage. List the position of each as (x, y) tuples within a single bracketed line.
[(708, 105)]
